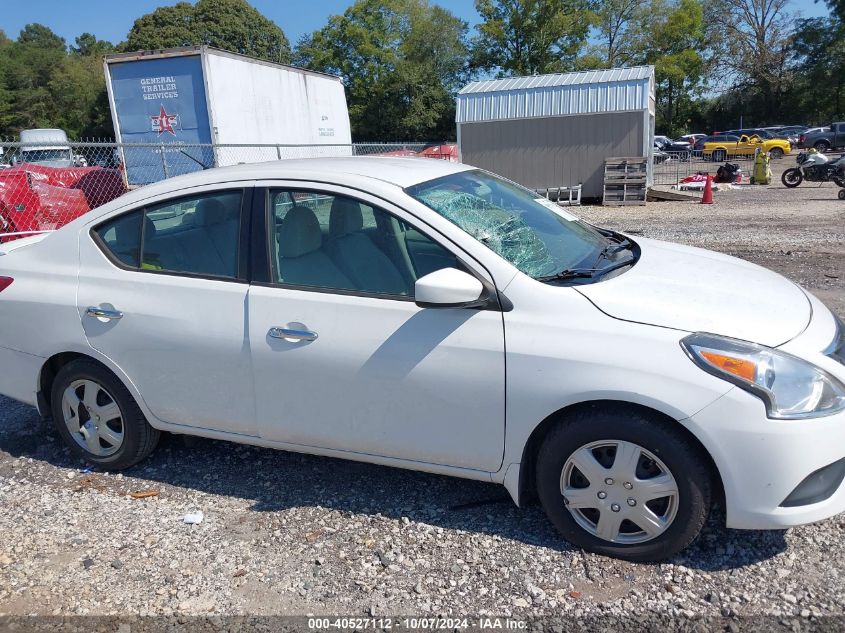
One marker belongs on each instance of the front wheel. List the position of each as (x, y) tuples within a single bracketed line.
[(622, 484), (792, 177), (98, 418)]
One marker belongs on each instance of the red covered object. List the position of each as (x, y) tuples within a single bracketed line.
[(445, 151), (38, 198)]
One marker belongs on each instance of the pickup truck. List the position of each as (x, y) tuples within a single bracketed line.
[(729, 146), (828, 138)]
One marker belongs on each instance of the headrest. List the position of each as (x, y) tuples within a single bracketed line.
[(299, 233), (211, 211), (345, 217)]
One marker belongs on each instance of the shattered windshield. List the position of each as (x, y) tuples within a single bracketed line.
[(535, 235)]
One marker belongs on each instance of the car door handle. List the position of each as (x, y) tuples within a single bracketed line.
[(103, 313), (285, 333)]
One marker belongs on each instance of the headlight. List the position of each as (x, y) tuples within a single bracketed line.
[(790, 387)]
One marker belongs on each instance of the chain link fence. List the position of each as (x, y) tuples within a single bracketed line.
[(44, 186), (670, 168)]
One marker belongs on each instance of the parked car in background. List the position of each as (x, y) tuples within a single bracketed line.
[(828, 138), (689, 138), (662, 142), (757, 131), (789, 130), (813, 130), (681, 148), (358, 308), (723, 148)]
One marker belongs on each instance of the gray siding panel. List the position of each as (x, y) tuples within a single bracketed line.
[(554, 151)]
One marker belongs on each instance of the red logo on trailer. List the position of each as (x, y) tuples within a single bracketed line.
[(163, 122)]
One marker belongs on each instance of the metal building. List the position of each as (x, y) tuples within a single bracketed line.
[(548, 131)]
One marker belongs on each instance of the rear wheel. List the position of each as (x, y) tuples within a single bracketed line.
[(622, 484), (776, 152), (822, 146), (98, 418), (719, 155), (842, 194), (792, 177)]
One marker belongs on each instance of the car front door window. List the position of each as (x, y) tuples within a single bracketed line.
[(329, 241)]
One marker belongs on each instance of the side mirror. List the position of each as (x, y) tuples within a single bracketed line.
[(449, 288)]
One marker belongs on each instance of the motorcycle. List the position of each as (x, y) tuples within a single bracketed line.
[(815, 167)]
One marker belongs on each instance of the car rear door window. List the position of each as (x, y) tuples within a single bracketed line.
[(196, 235), (322, 240), (122, 238)]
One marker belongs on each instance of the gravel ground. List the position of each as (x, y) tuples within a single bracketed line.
[(292, 534)]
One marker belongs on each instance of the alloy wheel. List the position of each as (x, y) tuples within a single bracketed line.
[(93, 418), (619, 492)]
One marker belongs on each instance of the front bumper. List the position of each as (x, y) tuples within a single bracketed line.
[(762, 461)]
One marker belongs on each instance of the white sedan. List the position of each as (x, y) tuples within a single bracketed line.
[(432, 316)]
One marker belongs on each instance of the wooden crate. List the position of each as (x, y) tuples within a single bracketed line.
[(625, 181)]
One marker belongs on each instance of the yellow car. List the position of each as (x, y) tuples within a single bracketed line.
[(730, 147)]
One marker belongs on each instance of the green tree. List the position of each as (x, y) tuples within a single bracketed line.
[(402, 61), (527, 37), (752, 43), (41, 85), (614, 21), (819, 53), (88, 45), (232, 25), (671, 38), (26, 68)]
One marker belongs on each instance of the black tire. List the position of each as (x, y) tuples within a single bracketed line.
[(719, 156), (776, 152), (821, 146), (792, 177), (139, 438), (679, 454), (841, 194)]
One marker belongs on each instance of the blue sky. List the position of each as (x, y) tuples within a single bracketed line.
[(112, 19)]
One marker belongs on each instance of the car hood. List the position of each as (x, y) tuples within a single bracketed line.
[(696, 290)]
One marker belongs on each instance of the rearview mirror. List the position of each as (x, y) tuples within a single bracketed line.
[(449, 288)]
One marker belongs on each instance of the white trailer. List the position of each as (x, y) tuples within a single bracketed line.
[(179, 102)]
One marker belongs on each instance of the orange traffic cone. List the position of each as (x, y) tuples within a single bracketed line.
[(707, 198)]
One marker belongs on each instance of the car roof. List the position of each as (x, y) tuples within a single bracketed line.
[(402, 172)]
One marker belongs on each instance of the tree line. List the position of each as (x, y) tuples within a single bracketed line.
[(402, 61)]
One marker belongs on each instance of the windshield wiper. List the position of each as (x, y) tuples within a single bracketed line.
[(612, 248), (585, 273)]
